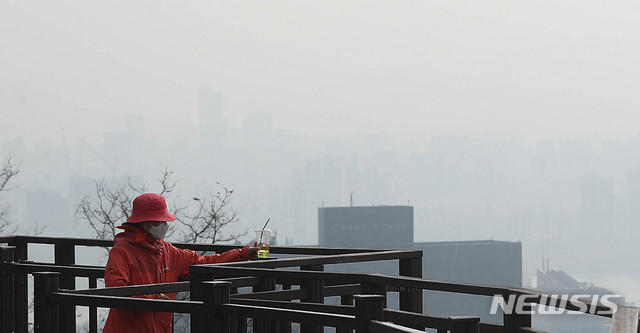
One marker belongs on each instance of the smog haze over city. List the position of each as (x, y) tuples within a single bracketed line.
[(503, 120)]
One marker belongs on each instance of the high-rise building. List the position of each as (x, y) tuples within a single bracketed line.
[(391, 227), (633, 202), (213, 125), (479, 262), (597, 205), (386, 227), (257, 130)]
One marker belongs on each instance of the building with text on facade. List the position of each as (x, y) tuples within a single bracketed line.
[(392, 227)]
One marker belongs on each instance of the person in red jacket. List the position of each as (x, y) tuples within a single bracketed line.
[(140, 255)]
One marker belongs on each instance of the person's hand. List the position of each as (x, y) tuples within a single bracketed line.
[(165, 297), (253, 251)]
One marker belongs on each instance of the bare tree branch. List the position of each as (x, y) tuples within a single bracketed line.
[(36, 230), (8, 171), (168, 185), (6, 225), (109, 207), (198, 221), (204, 223)]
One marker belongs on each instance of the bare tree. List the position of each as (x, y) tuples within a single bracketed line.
[(200, 220), (110, 205), (8, 171), (210, 216), (107, 209)]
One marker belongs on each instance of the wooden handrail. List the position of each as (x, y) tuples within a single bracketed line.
[(253, 273), (386, 327), (293, 250), (399, 281)]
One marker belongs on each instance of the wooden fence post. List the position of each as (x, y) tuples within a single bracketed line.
[(215, 294), (345, 300), (513, 321), (93, 310), (7, 293), (315, 289), (65, 255), (411, 298), (368, 288), (284, 326), (368, 307), (196, 280), (464, 324), (45, 314), (21, 288), (262, 325)]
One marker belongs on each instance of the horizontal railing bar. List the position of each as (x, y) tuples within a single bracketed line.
[(529, 330), (315, 250), (488, 327), (265, 272), (80, 271), (239, 282), (401, 281), (301, 306), (293, 294), (130, 303), (344, 289), (436, 285), (142, 289), (103, 242), (385, 327), (294, 250), (296, 316), (535, 296), (297, 281), (57, 240), (418, 319), (332, 283), (302, 250), (91, 267), (278, 295), (392, 280), (184, 286), (327, 259)]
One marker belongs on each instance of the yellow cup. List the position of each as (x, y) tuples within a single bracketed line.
[(263, 240)]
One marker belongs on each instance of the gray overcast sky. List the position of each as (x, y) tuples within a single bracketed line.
[(537, 68), (534, 68)]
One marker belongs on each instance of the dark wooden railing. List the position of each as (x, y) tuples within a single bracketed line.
[(282, 291)]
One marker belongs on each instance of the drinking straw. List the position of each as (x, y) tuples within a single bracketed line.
[(262, 231)]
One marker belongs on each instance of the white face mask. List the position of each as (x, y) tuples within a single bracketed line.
[(159, 231)]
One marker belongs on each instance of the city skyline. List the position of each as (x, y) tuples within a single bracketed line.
[(506, 120), (534, 70)]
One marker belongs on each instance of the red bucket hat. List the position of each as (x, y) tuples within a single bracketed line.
[(150, 207)]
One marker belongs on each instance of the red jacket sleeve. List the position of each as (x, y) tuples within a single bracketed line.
[(117, 272), (229, 256), (189, 257)]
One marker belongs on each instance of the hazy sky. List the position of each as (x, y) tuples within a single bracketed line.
[(533, 68), (537, 69)]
